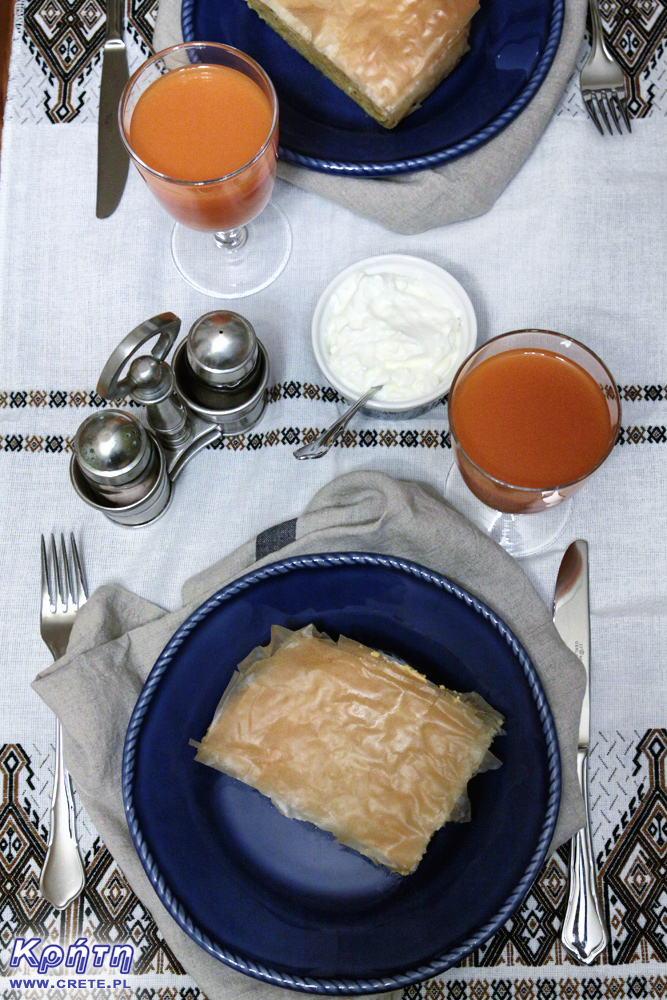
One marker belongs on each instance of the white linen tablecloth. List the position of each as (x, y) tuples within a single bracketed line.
[(577, 243)]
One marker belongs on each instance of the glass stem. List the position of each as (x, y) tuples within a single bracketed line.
[(231, 239)]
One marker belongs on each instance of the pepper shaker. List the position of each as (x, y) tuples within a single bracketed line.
[(221, 372)]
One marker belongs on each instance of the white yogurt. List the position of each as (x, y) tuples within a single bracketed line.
[(403, 331)]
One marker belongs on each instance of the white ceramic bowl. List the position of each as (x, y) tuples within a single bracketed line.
[(402, 264)]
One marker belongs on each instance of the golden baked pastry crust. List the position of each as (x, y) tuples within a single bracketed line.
[(358, 744), (387, 56)]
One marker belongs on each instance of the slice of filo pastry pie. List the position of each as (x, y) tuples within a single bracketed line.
[(343, 736), (387, 56)]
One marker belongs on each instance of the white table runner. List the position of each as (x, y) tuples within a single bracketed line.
[(576, 243)]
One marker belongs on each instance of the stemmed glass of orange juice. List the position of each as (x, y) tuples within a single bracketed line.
[(200, 121), (532, 415)]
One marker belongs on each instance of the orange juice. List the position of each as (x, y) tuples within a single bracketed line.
[(200, 123), (531, 419)]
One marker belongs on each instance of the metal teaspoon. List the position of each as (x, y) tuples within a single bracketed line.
[(324, 441)]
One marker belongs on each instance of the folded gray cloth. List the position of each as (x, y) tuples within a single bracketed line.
[(469, 186), (117, 637)]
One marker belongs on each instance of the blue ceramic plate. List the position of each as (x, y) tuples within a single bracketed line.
[(280, 899), (512, 46)]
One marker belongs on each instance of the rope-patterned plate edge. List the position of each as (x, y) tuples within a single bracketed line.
[(342, 986)]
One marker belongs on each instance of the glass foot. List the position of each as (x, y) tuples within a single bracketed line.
[(233, 272), (519, 534)]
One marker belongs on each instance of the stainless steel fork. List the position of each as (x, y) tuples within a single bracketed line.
[(602, 81), (64, 590)]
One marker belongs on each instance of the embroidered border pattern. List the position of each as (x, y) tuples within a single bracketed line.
[(64, 40), (588, 987), (630, 786), (107, 912), (56, 399), (290, 437)]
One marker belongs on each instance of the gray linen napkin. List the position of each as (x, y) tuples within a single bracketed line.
[(469, 186), (118, 636)]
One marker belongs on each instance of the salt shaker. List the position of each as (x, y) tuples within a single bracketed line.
[(118, 468)]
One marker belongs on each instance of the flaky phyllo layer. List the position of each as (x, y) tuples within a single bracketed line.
[(342, 736)]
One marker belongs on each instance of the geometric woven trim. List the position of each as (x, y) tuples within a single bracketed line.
[(626, 983), (290, 437), (57, 399)]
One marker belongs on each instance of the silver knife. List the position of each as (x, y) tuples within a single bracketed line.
[(583, 933), (112, 157)]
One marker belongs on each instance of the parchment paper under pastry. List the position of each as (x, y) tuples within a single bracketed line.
[(360, 745)]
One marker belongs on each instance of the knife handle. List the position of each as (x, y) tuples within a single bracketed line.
[(63, 877), (583, 932), (114, 28)]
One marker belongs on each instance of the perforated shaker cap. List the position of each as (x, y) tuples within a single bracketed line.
[(222, 348), (112, 448)]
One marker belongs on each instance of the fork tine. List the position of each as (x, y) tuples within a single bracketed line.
[(602, 107), (590, 107), (623, 104), (47, 599), (79, 572), (68, 589), (613, 111), (58, 596)]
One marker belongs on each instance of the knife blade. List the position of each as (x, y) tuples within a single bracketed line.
[(572, 619), (583, 933), (112, 157)]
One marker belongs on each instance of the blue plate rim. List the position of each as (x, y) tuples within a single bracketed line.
[(427, 161), (339, 986)]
